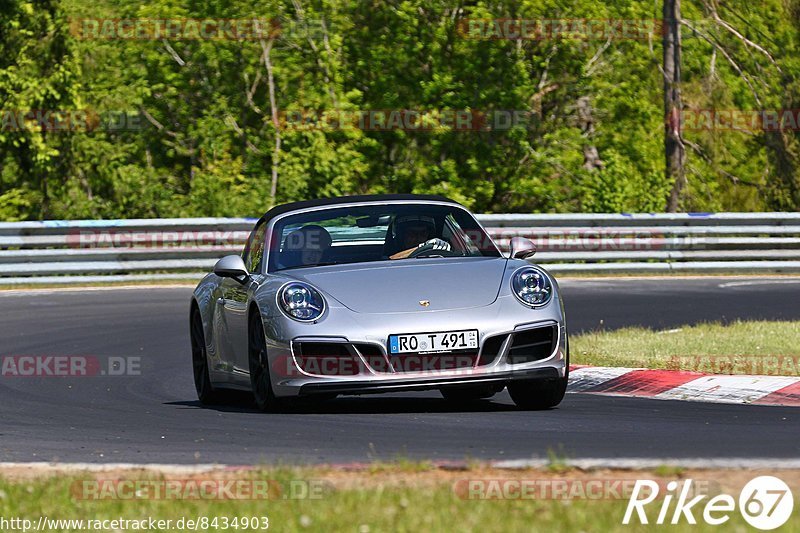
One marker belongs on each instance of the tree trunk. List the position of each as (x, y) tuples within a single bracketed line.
[(276, 153), (591, 157), (673, 146)]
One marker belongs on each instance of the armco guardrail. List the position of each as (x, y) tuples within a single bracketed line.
[(96, 250)]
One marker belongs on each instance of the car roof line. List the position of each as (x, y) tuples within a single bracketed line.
[(366, 198)]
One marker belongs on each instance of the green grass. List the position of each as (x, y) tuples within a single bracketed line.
[(401, 464), (738, 348), (404, 506)]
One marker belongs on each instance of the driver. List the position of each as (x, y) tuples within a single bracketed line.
[(416, 234)]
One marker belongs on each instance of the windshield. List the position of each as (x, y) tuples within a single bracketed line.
[(370, 233)]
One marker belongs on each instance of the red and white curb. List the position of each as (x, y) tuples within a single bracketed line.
[(688, 386)]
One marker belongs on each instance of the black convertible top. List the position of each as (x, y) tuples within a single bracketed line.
[(305, 204)]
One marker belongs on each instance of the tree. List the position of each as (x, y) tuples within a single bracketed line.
[(37, 89), (673, 146)]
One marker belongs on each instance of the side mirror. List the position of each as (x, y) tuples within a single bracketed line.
[(231, 266), (522, 248)]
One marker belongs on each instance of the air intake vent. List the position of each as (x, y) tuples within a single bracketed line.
[(374, 357), (532, 345), (326, 359), (491, 347)]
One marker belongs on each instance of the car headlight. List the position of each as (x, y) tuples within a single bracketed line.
[(301, 301), (532, 286)]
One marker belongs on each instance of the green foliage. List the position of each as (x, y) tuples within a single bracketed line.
[(18, 204), (205, 141)]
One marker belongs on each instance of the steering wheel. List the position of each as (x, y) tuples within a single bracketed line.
[(430, 252)]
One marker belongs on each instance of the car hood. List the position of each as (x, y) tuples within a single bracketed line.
[(451, 283)]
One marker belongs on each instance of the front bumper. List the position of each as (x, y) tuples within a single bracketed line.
[(506, 316), (434, 382), (499, 368)]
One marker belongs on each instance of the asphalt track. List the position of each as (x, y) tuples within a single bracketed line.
[(154, 417)]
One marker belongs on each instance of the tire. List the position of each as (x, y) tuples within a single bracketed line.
[(258, 362), (469, 393), (202, 382), (536, 395)]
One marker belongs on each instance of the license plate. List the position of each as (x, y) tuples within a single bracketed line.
[(434, 342)]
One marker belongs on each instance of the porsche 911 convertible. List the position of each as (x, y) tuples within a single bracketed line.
[(371, 294)]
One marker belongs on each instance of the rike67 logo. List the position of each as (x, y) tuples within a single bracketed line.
[(765, 503)]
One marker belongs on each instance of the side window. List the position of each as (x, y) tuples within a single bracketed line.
[(254, 249)]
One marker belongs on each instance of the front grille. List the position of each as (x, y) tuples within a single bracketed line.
[(532, 345), (326, 359)]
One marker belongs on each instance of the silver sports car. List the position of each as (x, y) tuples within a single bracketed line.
[(368, 294)]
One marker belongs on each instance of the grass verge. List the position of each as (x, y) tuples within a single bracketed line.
[(757, 347), (385, 499)]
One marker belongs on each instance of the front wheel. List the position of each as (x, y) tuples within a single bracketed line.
[(258, 362), (202, 382), (535, 395)]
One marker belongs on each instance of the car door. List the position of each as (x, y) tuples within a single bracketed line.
[(235, 298)]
